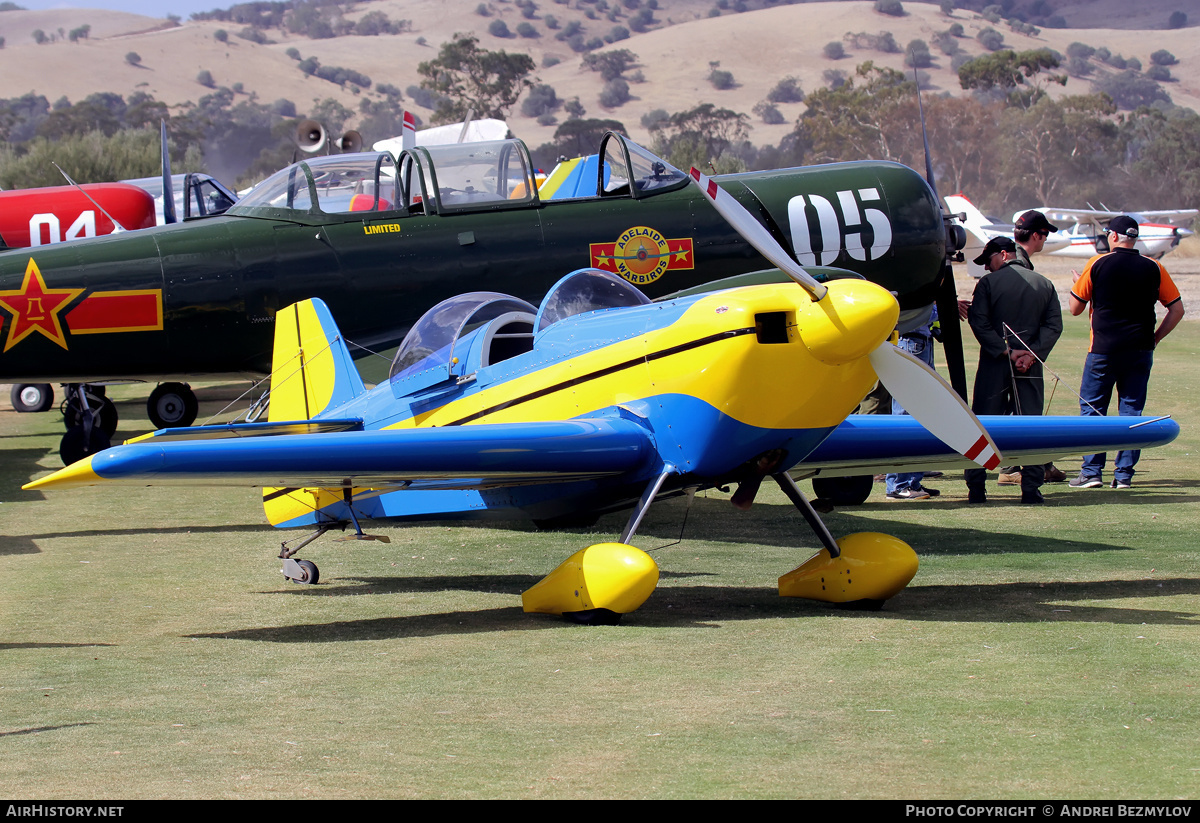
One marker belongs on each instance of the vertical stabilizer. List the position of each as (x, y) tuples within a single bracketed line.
[(311, 372), (408, 132), (311, 367)]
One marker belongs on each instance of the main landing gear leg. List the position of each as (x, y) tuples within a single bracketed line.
[(861, 570), (596, 585), (90, 420)]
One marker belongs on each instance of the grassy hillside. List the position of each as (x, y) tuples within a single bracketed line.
[(757, 47)]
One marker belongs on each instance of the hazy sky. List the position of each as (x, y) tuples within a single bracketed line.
[(150, 8)]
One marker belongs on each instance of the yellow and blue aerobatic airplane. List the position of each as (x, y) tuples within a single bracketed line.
[(600, 400)]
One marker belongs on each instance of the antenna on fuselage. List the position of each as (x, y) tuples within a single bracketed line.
[(947, 293), (462, 135), (89, 197)]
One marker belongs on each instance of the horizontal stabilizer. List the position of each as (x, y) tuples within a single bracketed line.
[(874, 444), (458, 457)]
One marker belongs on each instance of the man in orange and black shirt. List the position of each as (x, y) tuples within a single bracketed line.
[(1122, 287)]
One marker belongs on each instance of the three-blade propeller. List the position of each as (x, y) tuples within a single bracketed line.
[(922, 392)]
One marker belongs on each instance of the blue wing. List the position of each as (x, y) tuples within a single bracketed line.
[(873, 444), (460, 457)]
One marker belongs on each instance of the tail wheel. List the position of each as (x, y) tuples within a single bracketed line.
[(311, 573), (172, 405)]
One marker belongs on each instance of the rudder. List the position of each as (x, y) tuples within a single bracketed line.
[(311, 367)]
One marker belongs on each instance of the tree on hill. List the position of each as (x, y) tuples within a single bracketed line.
[(698, 136), (574, 138), (1131, 90), (1057, 149), (92, 157), (859, 118), (610, 64), (1010, 70), (470, 78)]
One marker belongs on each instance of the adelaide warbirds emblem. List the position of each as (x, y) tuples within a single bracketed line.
[(642, 254)]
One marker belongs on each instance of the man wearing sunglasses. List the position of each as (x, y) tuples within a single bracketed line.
[(1030, 233)]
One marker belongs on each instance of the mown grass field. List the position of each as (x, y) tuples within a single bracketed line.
[(150, 647)]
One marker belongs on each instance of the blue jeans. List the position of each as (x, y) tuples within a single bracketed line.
[(922, 349), (1129, 372)]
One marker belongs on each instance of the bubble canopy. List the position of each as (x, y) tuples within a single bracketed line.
[(432, 342)]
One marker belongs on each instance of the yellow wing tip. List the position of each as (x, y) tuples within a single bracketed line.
[(74, 475)]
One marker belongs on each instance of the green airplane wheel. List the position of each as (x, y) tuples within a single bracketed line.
[(74, 446), (104, 414), (32, 397), (172, 405)]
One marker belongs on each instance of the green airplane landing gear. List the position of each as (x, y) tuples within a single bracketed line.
[(81, 397), (172, 405), (78, 443), (91, 420), (32, 397)]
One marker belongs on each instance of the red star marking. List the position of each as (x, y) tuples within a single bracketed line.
[(35, 308)]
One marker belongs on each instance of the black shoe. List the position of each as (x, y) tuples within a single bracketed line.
[(976, 496), (1033, 498), (936, 492)]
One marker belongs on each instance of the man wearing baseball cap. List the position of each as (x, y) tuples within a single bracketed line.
[(1030, 233), (1122, 288), (1016, 317)]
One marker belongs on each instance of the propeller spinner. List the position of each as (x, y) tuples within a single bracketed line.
[(923, 393)]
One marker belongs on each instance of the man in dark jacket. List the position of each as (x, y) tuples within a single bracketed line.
[(1016, 317)]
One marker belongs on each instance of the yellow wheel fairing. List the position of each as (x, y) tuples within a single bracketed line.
[(872, 566), (737, 375), (612, 576)]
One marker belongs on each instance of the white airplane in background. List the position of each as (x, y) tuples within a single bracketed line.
[(1158, 231), (981, 228)]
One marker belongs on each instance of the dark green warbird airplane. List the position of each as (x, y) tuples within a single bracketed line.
[(380, 240)]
